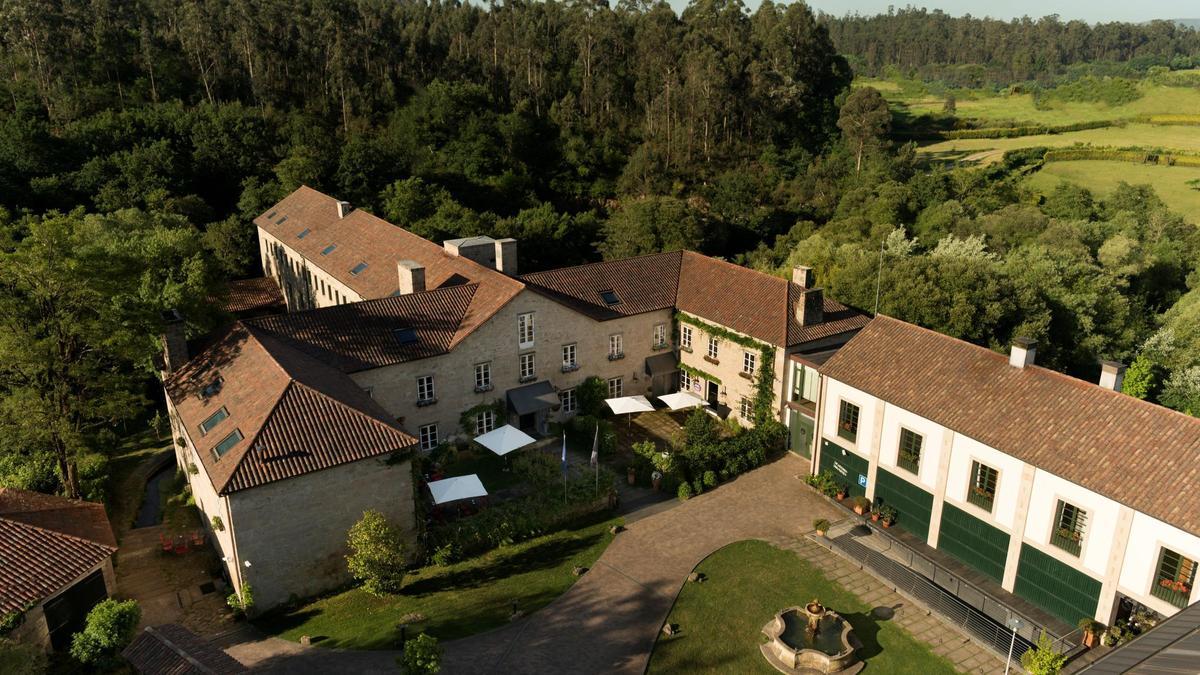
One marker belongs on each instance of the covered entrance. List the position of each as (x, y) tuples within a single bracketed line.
[(532, 405), (801, 427), (663, 370), (66, 614)]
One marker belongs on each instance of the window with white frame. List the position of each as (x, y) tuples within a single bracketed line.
[(713, 347), (525, 330), (685, 337), (746, 408), (749, 362), (660, 335), (685, 381), (570, 360), (567, 398), (483, 376), (425, 391), (616, 388), (616, 347), (428, 434), (528, 367), (485, 422)]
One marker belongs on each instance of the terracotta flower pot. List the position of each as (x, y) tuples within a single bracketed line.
[(1089, 639), (820, 533), (887, 523), (841, 496), (631, 476), (874, 517), (859, 510)]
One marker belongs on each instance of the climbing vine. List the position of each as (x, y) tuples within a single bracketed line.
[(467, 419), (764, 386), (696, 372)]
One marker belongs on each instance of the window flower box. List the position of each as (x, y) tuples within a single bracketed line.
[(486, 387), (570, 367), (526, 378), (715, 362), (746, 376), (684, 348), (617, 356), (426, 402), (660, 347)]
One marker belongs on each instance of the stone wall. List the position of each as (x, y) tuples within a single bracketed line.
[(734, 386), (293, 532)]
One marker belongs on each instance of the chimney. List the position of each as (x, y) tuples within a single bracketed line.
[(1023, 351), (506, 256), (810, 308), (174, 341), (803, 276), (412, 276), (1112, 375), (344, 209)]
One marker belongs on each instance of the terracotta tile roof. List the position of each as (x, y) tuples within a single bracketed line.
[(361, 237), (362, 335), (295, 414), (249, 295), (642, 284), (1129, 450), (47, 542), (171, 649), (750, 302)]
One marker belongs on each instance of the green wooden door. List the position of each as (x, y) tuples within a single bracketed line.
[(1055, 586), (913, 505), (973, 541), (848, 468), (802, 433)]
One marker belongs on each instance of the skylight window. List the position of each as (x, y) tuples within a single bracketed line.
[(271, 215), (213, 420), (227, 443), (282, 220), (329, 249), (610, 297), (358, 269), (405, 336), (303, 233), (213, 387)]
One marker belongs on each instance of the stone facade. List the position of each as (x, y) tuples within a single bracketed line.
[(728, 373), (34, 630), (303, 283)]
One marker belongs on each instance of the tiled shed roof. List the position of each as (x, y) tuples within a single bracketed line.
[(249, 295), (47, 542), (1108, 442), (171, 649), (295, 413)]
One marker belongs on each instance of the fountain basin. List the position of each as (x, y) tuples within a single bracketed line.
[(794, 646)]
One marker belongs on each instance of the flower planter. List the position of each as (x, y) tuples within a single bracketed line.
[(887, 523), (841, 496), (874, 517)]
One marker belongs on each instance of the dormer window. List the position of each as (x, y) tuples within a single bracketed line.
[(328, 249), (610, 297), (357, 269)]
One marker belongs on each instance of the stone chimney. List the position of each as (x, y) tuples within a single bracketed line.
[(344, 209), (810, 308), (803, 276), (1112, 375), (174, 341), (506, 256), (1023, 351), (412, 276)]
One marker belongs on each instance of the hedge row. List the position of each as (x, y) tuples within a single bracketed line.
[(1134, 156), (1169, 119), (1009, 132)]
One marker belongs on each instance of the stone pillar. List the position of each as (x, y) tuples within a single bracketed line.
[(873, 451), (1017, 536), (939, 490), (1106, 607)]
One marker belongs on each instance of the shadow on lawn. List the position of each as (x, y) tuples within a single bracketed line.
[(547, 554)]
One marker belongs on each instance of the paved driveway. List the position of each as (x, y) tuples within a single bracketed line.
[(608, 621)]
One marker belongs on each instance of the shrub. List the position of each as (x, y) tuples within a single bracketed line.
[(110, 627), (821, 524), (376, 554), (710, 479), (1042, 659), (591, 394), (446, 554), (861, 503), (243, 602), (824, 483), (217, 525), (422, 656), (697, 487), (685, 492)]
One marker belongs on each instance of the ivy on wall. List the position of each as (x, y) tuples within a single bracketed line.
[(764, 386), (467, 419)]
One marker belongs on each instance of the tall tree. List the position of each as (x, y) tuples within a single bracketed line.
[(865, 120)]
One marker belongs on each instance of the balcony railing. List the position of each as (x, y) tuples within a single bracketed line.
[(981, 498), (1067, 540), (908, 463), (1166, 589)]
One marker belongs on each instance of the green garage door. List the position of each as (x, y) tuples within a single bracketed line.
[(846, 466), (973, 541), (1056, 587), (802, 433), (913, 505)]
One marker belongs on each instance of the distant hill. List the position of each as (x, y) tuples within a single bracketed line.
[(1190, 23)]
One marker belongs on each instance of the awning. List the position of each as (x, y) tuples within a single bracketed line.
[(629, 404), (456, 488), (532, 398), (681, 400), (661, 364), (504, 440)]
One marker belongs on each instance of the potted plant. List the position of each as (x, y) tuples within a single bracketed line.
[(841, 492), (875, 513), (861, 505), (887, 515), (821, 526), (631, 475), (1091, 631), (656, 479)]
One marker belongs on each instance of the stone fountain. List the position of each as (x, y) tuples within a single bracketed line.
[(810, 639)]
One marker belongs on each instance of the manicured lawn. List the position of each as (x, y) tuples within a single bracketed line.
[(459, 600), (721, 620), (1101, 177)]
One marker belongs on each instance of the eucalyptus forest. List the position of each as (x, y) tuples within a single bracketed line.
[(139, 139)]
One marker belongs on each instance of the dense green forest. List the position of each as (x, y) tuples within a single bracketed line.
[(138, 140), (977, 51)]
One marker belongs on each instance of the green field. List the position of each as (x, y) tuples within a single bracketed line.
[(1170, 182), (1184, 138)]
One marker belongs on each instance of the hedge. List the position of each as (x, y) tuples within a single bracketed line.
[(1112, 154), (1011, 132)]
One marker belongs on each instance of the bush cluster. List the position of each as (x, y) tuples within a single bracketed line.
[(1118, 155), (110, 627)]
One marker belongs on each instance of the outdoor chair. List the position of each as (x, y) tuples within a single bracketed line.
[(197, 538), (181, 545), (166, 543)]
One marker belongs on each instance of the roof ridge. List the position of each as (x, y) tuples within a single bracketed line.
[(361, 413), (359, 303), (250, 441), (57, 533), (675, 252)]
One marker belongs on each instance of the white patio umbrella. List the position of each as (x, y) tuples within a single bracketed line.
[(682, 400), (504, 440), (456, 488), (627, 405)]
